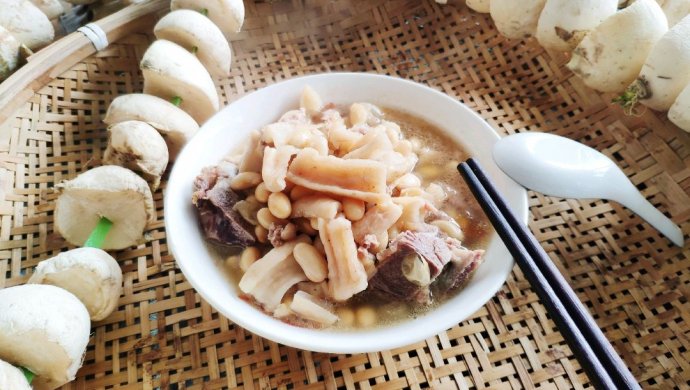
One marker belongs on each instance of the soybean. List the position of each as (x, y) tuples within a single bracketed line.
[(353, 209), (312, 262), (248, 257), (266, 218), (279, 205), (289, 232), (346, 317), (261, 234), (366, 316), (261, 193)]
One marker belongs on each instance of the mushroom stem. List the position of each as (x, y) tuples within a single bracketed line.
[(176, 100), (98, 234), (28, 374)]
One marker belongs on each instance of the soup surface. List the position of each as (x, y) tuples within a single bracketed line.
[(424, 210)]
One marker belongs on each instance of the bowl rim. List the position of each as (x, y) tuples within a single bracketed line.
[(312, 339)]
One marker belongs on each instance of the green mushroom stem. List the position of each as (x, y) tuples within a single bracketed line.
[(27, 374), (176, 100), (99, 233)]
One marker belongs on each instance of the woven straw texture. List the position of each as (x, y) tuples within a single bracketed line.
[(163, 336)]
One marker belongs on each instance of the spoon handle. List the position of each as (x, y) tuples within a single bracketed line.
[(639, 205)]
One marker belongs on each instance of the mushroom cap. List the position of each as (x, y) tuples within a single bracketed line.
[(12, 378), (175, 125), (45, 329), (51, 8), (228, 15), (9, 53), (190, 29), (26, 22), (170, 70), (108, 191), (91, 274), (137, 146)]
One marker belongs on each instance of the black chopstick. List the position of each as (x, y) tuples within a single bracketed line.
[(597, 357)]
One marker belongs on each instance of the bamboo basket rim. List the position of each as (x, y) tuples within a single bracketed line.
[(51, 61)]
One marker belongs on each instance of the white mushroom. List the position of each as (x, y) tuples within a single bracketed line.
[(679, 113), (109, 191), (139, 147), (45, 329), (516, 19), (12, 378), (611, 56), (175, 125), (91, 274), (51, 8), (479, 5), (171, 71), (9, 53), (228, 15), (196, 33), (665, 73), (675, 10), (563, 23), (26, 22)]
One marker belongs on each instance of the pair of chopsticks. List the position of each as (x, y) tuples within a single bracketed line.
[(597, 357)]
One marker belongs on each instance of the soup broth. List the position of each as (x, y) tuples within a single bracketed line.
[(438, 159)]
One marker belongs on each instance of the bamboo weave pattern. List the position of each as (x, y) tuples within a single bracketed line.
[(163, 336)]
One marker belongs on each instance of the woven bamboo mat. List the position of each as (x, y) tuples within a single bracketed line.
[(163, 336)]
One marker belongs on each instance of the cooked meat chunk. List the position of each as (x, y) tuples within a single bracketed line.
[(215, 203), (461, 267), (274, 234), (414, 260)]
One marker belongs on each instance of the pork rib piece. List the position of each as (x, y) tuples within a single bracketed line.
[(215, 203), (414, 261)]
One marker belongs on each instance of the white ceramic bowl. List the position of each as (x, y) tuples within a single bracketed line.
[(231, 126)]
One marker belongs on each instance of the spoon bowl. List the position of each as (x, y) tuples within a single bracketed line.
[(558, 166)]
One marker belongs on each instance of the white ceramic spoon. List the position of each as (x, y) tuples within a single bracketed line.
[(561, 167)]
